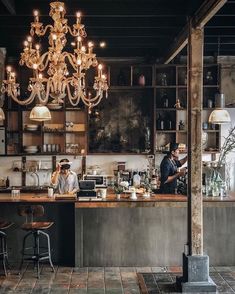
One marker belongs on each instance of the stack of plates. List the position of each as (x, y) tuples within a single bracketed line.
[(31, 149), (54, 105), (31, 127)]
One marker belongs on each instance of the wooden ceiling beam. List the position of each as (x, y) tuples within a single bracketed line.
[(10, 6), (207, 10)]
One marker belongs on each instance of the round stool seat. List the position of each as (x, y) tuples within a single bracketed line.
[(36, 226), (5, 225)]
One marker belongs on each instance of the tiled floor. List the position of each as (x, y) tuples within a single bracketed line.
[(164, 282), (109, 280)]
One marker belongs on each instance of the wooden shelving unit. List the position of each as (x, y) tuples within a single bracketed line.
[(127, 122)]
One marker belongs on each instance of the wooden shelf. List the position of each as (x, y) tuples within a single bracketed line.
[(38, 132), (129, 88), (166, 109), (166, 131), (166, 87)]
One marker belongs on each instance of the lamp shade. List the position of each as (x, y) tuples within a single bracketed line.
[(2, 114), (40, 113), (219, 116)]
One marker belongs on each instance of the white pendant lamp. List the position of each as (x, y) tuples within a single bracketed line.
[(40, 113), (219, 115)]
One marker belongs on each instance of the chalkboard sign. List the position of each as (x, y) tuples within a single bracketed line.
[(122, 123)]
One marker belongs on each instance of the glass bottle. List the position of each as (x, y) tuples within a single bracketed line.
[(121, 80), (141, 80), (7, 182), (159, 122), (165, 100), (162, 124), (163, 79)]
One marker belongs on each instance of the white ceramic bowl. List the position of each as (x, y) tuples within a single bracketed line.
[(31, 127), (54, 106)]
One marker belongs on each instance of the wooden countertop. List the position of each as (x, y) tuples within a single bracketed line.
[(169, 200)]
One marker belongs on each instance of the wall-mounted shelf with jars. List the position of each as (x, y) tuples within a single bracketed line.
[(171, 106), (146, 109), (65, 133)]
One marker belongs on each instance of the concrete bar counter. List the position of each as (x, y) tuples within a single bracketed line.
[(125, 232)]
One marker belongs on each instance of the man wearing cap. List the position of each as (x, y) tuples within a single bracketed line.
[(170, 170), (63, 179)]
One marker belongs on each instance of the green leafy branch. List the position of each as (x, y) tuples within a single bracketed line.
[(118, 189), (228, 146)]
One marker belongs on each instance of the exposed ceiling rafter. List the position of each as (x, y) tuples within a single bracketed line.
[(10, 6), (207, 10)]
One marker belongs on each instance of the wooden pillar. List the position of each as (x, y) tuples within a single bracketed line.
[(195, 102), (195, 264)]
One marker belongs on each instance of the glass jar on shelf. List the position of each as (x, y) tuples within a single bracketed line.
[(163, 79), (68, 148), (209, 80)]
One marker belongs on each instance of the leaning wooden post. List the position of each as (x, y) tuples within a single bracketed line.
[(195, 264)]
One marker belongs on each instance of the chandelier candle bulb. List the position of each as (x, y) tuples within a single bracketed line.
[(29, 39), (78, 15), (100, 70), (26, 44), (36, 16)]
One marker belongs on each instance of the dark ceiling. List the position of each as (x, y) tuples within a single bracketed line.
[(129, 27)]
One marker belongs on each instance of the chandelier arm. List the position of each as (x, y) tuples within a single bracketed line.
[(41, 100), (71, 32), (24, 102), (43, 31), (71, 98), (70, 58), (42, 66), (91, 100), (98, 101)]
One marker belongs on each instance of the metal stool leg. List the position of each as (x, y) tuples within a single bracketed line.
[(38, 254), (35, 249), (23, 251), (49, 252), (49, 249), (3, 242), (6, 257)]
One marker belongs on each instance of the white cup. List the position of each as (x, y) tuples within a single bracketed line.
[(103, 193), (50, 192), (133, 195)]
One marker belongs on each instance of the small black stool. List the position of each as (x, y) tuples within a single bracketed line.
[(35, 229), (3, 244)]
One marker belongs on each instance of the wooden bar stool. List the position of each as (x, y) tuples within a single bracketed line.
[(3, 244), (36, 230)]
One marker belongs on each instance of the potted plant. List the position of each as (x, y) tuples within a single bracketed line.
[(118, 189)]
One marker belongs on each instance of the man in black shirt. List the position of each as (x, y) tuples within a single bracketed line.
[(170, 170)]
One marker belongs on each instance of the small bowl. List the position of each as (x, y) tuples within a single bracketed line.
[(54, 105)]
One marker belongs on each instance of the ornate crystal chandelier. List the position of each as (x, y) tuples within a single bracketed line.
[(57, 74)]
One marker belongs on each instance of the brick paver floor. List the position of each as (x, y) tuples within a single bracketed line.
[(105, 280)]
